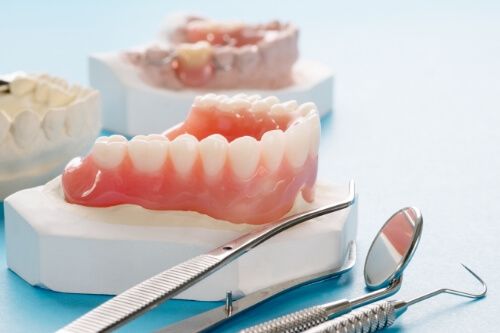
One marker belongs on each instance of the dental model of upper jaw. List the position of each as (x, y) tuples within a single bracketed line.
[(44, 122), (243, 159), (221, 55)]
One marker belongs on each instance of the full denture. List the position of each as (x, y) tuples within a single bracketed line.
[(221, 55), (243, 159)]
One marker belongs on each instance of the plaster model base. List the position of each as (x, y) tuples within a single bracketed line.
[(69, 248), (131, 106)]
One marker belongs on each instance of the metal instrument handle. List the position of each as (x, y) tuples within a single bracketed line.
[(368, 319), (301, 320), (163, 286), (212, 318), (332, 309), (144, 296)]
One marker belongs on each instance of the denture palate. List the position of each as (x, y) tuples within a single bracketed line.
[(243, 159), (205, 53)]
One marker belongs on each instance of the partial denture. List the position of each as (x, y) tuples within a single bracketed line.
[(243, 159), (43, 122), (218, 55)]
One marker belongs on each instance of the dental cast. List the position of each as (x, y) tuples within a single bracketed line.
[(43, 123)]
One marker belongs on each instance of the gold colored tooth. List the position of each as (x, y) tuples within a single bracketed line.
[(194, 55)]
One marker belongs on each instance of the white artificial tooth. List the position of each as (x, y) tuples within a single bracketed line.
[(244, 156), (234, 104), (4, 125), (207, 100), (22, 85), (57, 96), (271, 100), (297, 143), (116, 138), (140, 137), (26, 128), (194, 55), (290, 106), (259, 107), (273, 149), (224, 105), (315, 126), (42, 91), (277, 110), (53, 123), (156, 137), (221, 98), (240, 104), (305, 108), (148, 156), (224, 57), (253, 98), (102, 139), (75, 118), (109, 155), (183, 152), (213, 152), (241, 95)]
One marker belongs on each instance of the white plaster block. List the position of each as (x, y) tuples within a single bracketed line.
[(70, 248)]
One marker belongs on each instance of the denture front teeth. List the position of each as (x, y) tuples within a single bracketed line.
[(184, 152), (243, 156), (213, 154), (273, 149)]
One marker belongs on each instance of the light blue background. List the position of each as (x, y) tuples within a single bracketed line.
[(416, 122)]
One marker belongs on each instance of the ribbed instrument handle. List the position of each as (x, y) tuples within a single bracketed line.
[(292, 323), (368, 319), (301, 320)]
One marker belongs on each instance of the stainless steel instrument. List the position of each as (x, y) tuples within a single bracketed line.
[(163, 286), (388, 256), (380, 315), (212, 318)]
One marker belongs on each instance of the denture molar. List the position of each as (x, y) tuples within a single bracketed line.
[(221, 55), (232, 159), (43, 123)]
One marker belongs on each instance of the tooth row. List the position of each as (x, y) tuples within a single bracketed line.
[(254, 103), (149, 153), (58, 122), (47, 90)]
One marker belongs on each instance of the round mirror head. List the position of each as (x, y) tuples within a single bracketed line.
[(393, 248)]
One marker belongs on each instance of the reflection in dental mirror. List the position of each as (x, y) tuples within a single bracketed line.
[(393, 247)]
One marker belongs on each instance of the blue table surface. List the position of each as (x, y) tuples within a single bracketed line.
[(416, 122)]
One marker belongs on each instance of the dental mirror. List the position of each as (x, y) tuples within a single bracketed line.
[(389, 254), (393, 248)]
